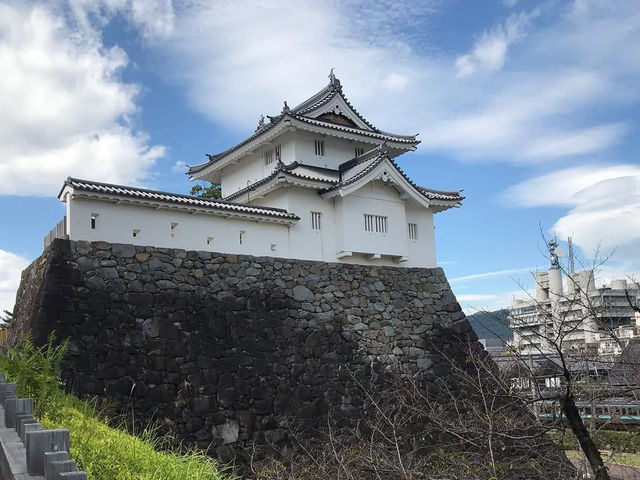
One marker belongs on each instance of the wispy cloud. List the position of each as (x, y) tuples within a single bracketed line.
[(604, 203), (490, 51), (497, 273)]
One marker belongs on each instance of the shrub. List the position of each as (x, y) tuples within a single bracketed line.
[(36, 370)]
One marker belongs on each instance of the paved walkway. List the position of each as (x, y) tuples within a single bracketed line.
[(616, 472)]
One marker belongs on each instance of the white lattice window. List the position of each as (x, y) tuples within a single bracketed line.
[(359, 151), (319, 147), (268, 157), (413, 231), (375, 223), (278, 152), (316, 219)]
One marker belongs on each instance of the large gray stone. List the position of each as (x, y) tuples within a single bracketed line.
[(302, 293), (123, 250), (226, 433)]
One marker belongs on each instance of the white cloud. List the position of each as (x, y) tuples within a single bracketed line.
[(239, 59), (179, 167), (563, 187), (490, 51), (153, 18), (11, 266), (605, 208), (63, 109)]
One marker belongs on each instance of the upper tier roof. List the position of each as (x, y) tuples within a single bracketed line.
[(316, 112), (350, 174), (107, 191)]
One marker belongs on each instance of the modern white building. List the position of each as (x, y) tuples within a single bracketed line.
[(597, 320), (316, 182)]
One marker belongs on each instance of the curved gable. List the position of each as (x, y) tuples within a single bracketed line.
[(337, 118)]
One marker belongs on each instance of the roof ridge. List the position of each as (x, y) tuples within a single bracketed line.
[(78, 183)]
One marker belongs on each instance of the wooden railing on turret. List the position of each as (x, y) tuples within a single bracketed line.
[(59, 231)]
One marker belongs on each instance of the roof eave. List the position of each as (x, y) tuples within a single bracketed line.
[(289, 219), (275, 182), (218, 161)]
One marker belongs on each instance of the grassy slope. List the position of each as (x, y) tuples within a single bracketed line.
[(108, 453), (104, 452)]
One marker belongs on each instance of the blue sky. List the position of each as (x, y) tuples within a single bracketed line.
[(531, 107)]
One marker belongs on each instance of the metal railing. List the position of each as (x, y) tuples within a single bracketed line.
[(59, 231)]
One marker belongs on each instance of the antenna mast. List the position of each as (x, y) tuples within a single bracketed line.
[(571, 264)]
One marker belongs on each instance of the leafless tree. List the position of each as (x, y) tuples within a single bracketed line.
[(469, 425), (563, 314)]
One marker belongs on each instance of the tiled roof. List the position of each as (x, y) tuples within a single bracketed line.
[(360, 167), (323, 97), (215, 157), (299, 113), (392, 137), (296, 170), (175, 198)]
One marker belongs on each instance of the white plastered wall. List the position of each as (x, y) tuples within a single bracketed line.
[(336, 150), (115, 224), (422, 250), (343, 226), (251, 168), (374, 199)]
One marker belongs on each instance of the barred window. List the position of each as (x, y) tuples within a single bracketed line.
[(413, 231), (375, 223), (319, 147), (278, 152), (359, 151), (94, 220), (316, 220), (268, 157)]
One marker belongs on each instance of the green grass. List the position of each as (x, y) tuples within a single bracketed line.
[(629, 459), (104, 452), (616, 440)]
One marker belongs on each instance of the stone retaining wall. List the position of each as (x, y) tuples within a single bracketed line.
[(231, 349)]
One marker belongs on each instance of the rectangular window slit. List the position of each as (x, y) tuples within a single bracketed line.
[(136, 232), (319, 147), (94, 219), (413, 231), (375, 223), (316, 218), (359, 151), (268, 157)]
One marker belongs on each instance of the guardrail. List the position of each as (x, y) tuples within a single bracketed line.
[(26, 449), (59, 231)]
